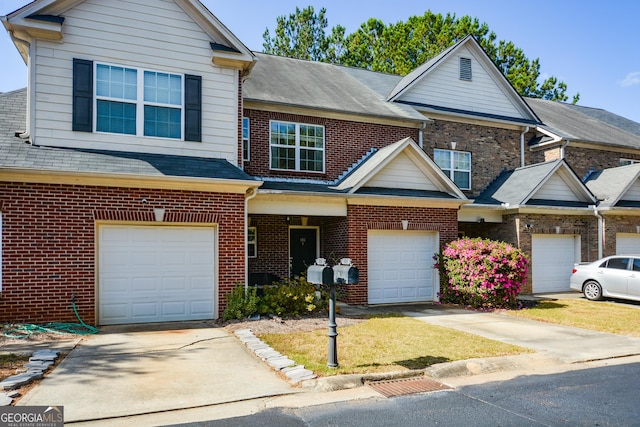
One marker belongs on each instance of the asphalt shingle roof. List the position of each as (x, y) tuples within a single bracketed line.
[(516, 187), (17, 153), (294, 82), (610, 185), (578, 123)]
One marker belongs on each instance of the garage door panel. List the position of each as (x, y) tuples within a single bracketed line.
[(156, 274), (400, 266), (174, 308), (553, 258), (627, 244), (175, 284)]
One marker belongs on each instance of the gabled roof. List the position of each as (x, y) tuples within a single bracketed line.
[(431, 175), (584, 124), (45, 19), (544, 184), (295, 83), (469, 45), (616, 187), (18, 155)]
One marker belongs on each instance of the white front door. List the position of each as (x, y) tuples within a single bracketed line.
[(552, 259), (155, 274), (401, 266)]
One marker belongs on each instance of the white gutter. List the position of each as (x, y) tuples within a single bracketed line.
[(250, 194), (600, 229), (526, 129)]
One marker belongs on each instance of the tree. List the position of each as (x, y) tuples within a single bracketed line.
[(401, 47), (302, 35)]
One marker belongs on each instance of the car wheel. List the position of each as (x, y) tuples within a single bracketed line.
[(592, 290)]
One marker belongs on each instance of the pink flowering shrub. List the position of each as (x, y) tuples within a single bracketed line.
[(483, 274)]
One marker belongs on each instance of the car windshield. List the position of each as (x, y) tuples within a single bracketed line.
[(618, 263)]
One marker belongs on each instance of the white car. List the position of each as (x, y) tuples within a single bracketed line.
[(616, 276)]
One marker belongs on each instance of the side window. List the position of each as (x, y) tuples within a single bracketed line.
[(618, 263), (135, 101), (246, 144), (457, 165), (252, 242), (636, 264)]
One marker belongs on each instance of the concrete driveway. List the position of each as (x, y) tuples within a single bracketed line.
[(143, 369)]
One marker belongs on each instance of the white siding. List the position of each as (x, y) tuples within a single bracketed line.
[(633, 193), (442, 87), (556, 189), (401, 172), (158, 36)]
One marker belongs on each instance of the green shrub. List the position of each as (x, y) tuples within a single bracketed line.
[(291, 298), (285, 299), (482, 274), (241, 303)]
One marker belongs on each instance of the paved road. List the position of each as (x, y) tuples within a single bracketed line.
[(605, 396)]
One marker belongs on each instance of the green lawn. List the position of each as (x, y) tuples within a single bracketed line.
[(385, 344), (600, 316), (393, 342)]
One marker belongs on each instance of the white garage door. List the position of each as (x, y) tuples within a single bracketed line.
[(552, 259), (627, 243), (155, 274), (401, 266)]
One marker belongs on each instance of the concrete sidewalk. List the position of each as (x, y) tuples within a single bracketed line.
[(165, 376), (122, 372)]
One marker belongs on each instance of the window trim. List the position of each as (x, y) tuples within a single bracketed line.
[(254, 243), (246, 141), (451, 169), (297, 148), (84, 114), (140, 102)]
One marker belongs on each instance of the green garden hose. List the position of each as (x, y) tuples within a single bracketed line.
[(23, 331)]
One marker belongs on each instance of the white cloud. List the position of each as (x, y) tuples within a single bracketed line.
[(631, 79)]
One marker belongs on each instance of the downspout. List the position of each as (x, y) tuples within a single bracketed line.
[(420, 137), (562, 148), (526, 129), (250, 194), (600, 229)]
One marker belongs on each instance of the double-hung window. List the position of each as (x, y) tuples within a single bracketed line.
[(297, 146), (246, 144), (252, 242), (123, 95), (134, 101), (457, 165)]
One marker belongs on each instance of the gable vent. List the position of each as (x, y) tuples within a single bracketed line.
[(465, 69)]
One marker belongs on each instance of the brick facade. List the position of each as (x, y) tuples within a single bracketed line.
[(585, 160), (49, 243), (361, 219), (492, 149), (346, 142)]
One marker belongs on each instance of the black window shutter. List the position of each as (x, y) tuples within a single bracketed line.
[(192, 108), (82, 95)]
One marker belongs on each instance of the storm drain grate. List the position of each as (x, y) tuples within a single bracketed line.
[(405, 386)]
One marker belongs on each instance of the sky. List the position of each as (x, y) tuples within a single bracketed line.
[(590, 45)]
